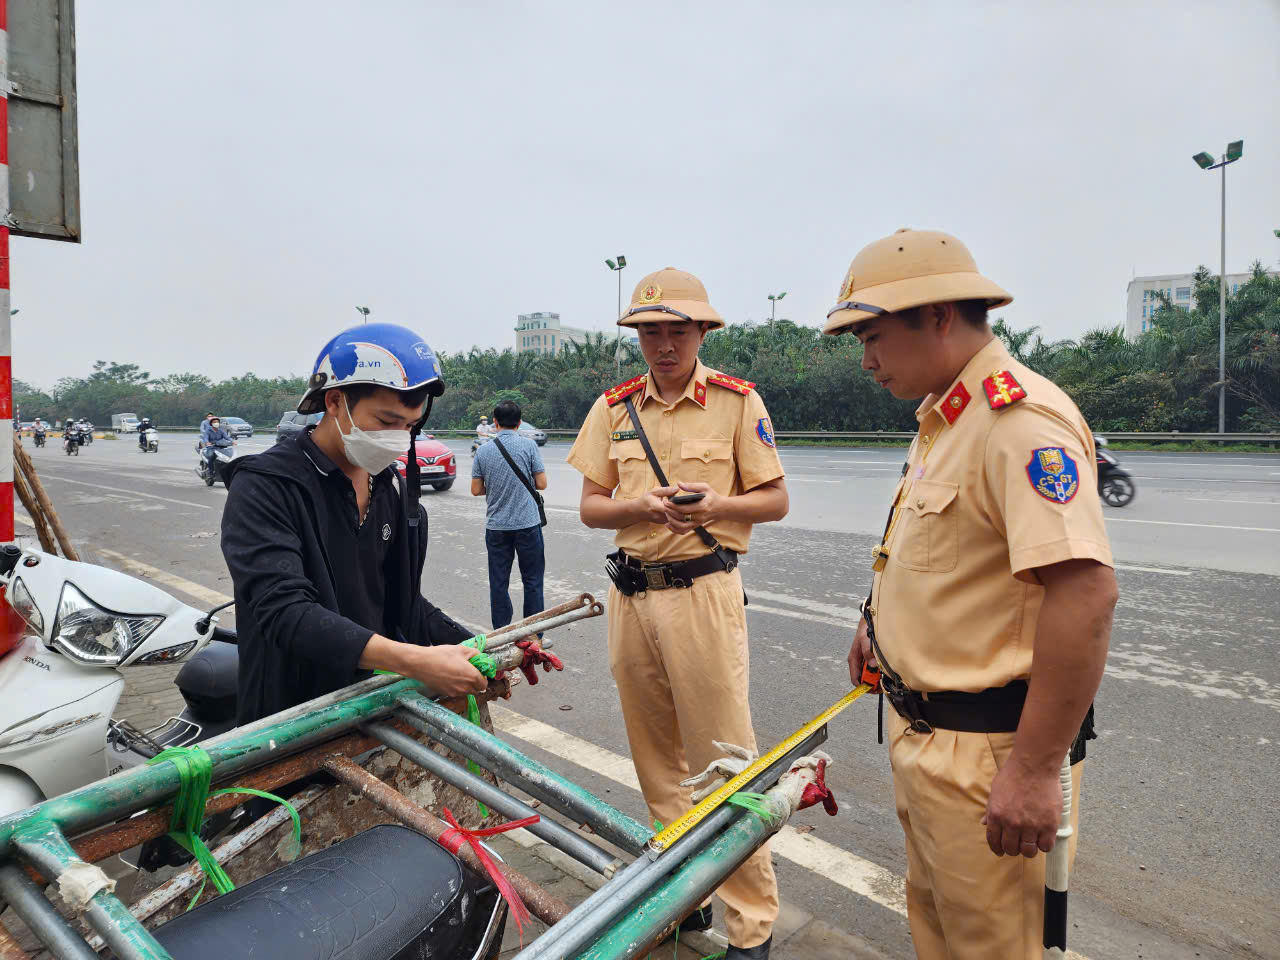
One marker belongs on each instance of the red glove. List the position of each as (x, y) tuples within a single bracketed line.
[(819, 792), (534, 655)]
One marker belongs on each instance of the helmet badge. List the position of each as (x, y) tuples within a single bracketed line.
[(652, 293)]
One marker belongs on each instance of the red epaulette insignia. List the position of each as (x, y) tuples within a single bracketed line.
[(955, 403), (743, 387), (623, 390), (700, 394), (1002, 389)]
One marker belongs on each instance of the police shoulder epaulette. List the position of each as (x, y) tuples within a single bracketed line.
[(743, 387), (1002, 389), (623, 390)]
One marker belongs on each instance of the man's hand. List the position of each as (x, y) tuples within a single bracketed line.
[(445, 669), (651, 505), (1024, 811), (860, 653), (703, 513)]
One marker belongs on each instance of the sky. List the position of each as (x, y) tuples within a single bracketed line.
[(252, 171)]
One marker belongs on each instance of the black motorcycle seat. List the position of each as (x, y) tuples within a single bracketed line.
[(208, 680), (383, 894)]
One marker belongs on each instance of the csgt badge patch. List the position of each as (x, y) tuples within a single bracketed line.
[(1053, 474), (764, 430)]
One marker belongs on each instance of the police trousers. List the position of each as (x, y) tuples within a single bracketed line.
[(679, 659), (964, 902)]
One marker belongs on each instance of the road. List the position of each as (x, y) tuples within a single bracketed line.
[(1177, 855)]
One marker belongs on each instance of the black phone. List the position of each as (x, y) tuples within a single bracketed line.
[(684, 499)]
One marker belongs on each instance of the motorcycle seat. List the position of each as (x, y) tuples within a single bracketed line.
[(208, 681), (384, 894)]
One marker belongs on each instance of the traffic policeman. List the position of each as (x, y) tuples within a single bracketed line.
[(991, 601), (681, 462)]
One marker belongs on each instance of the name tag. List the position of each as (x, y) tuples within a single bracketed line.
[(618, 435)]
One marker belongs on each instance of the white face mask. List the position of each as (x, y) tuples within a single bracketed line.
[(373, 450)]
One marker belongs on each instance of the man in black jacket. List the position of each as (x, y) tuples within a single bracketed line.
[(325, 554)]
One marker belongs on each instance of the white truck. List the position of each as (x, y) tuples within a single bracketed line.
[(124, 422)]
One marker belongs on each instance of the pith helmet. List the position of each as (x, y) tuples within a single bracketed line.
[(669, 294), (906, 269)]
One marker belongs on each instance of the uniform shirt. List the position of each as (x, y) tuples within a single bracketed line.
[(508, 503), (715, 434), (989, 495), (360, 551)]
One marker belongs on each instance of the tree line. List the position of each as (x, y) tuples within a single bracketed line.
[(1164, 380)]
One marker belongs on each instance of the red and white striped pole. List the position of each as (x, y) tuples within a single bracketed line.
[(6, 332)]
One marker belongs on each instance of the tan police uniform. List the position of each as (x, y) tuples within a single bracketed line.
[(1001, 479), (679, 655)]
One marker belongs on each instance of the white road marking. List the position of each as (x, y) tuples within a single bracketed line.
[(1261, 503), (753, 607), (1172, 573), (859, 876), (1211, 526), (163, 577), (1202, 479), (132, 493)]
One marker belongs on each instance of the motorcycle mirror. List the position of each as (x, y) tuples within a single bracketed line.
[(203, 624), (10, 553)]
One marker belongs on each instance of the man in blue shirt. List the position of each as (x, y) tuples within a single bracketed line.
[(513, 526)]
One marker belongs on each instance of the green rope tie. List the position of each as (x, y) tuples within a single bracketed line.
[(195, 773), (757, 803)]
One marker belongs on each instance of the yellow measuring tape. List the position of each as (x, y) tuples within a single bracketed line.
[(687, 821)]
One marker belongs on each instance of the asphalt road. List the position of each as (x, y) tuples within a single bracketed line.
[(1178, 849)]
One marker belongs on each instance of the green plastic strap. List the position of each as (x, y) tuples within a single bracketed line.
[(486, 665), (757, 803), (195, 773)]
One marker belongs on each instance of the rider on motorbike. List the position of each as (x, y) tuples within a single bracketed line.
[(308, 626), (143, 426), (483, 428)]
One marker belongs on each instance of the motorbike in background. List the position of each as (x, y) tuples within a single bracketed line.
[(38, 436), (71, 441), (1115, 484), (214, 459), (149, 440)]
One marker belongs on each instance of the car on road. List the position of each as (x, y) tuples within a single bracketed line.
[(237, 427), (293, 423), (533, 433), (437, 463)]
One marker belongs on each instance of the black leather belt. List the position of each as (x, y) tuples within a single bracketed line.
[(995, 710), (661, 576)]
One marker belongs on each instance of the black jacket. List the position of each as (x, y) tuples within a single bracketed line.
[(294, 642)]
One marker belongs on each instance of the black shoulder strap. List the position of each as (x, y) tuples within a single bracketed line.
[(703, 533), (528, 484)]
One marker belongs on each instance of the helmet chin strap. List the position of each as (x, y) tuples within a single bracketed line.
[(412, 472)]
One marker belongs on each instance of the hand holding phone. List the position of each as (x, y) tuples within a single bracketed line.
[(684, 499)]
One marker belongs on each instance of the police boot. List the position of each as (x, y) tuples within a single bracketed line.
[(749, 953), (697, 921)]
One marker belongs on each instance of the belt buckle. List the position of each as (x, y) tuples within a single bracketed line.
[(655, 576), (904, 703)]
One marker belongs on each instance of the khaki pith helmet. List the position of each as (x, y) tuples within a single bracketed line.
[(906, 269), (669, 294)]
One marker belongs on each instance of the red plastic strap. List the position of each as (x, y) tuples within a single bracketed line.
[(453, 840), (534, 655), (819, 792)]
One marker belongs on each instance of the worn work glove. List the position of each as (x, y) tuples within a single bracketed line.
[(818, 791), (719, 772), (534, 655)]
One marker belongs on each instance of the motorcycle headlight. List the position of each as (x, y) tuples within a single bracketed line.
[(86, 632), (24, 605)]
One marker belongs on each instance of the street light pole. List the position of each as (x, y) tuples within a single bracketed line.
[(773, 306), (617, 343), (1235, 150)]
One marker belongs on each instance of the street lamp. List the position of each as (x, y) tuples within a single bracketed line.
[(363, 311), (1235, 150), (617, 344), (773, 306)]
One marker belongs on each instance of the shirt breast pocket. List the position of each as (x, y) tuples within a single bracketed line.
[(634, 475), (708, 461), (929, 538)]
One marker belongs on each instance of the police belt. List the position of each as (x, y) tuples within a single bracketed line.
[(995, 710), (682, 573)]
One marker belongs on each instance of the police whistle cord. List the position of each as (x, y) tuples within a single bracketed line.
[(1056, 867), (453, 840), (687, 821), (195, 772)]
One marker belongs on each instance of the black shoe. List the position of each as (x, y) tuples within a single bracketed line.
[(749, 953), (697, 921)]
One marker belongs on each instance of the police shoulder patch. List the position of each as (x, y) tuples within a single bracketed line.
[(731, 383), (619, 393), (1053, 474), (1002, 389), (764, 430)]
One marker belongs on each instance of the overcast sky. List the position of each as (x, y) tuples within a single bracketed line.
[(252, 171)]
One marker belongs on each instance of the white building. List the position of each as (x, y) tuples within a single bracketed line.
[(542, 332), (1143, 297)]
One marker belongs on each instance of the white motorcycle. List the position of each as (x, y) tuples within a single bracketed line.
[(81, 628), (150, 442), (214, 459)]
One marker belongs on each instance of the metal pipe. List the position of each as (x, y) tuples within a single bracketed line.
[(529, 775), (543, 904), (43, 844), (585, 922), (558, 836), (533, 629), (10, 949), (242, 749), (30, 903), (577, 603), (650, 921)]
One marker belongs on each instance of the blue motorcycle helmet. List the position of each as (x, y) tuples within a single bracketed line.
[(378, 354)]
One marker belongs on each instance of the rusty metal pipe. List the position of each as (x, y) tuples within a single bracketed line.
[(577, 603), (41, 916), (543, 904), (533, 629)]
